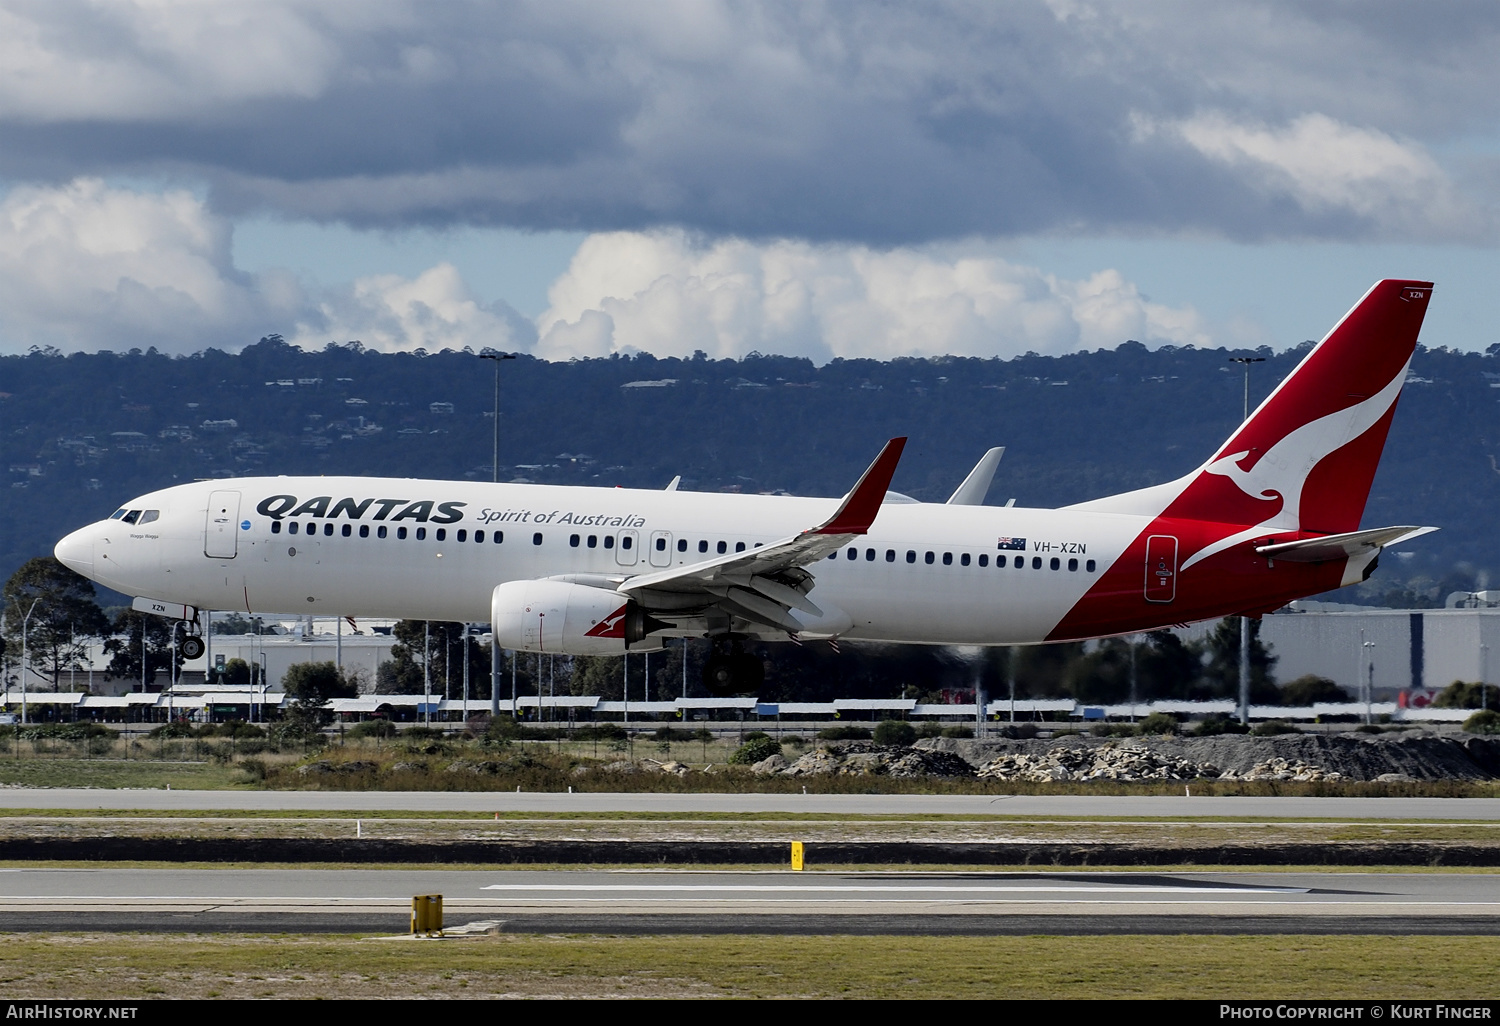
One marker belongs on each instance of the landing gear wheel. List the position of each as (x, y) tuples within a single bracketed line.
[(730, 670), (192, 647)]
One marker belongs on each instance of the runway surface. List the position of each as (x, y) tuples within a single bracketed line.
[(636, 901), (1113, 806)]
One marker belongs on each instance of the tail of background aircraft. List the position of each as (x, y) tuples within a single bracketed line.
[(1305, 459)]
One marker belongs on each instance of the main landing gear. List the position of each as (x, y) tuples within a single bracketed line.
[(730, 670)]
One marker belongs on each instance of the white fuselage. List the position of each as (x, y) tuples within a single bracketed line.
[(228, 545)]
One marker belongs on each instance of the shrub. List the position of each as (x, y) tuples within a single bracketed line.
[(755, 735), (1310, 688), (175, 729), (372, 728), (754, 751), (895, 732), (1114, 730), (1019, 731), (1217, 724), (844, 734), (670, 734), (961, 732), (80, 731), (424, 733), (1486, 721), (600, 732), (1270, 728), (1158, 723)]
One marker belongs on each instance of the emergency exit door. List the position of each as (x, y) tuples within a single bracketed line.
[(1161, 568)]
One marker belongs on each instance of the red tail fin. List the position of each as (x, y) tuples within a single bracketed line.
[(1311, 448)]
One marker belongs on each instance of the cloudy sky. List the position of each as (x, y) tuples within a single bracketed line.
[(821, 179)]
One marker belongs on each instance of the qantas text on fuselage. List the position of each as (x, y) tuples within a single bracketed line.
[(1273, 515)]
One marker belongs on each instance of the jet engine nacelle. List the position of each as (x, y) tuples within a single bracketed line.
[(569, 619)]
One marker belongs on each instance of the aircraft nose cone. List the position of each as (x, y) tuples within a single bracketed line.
[(76, 552)]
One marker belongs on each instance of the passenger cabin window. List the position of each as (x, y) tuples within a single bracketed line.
[(609, 541), (624, 542), (661, 545), (930, 557), (681, 544), (442, 534), (947, 559), (1072, 565), (536, 539), (703, 546), (723, 547), (328, 530), (364, 530), (1055, 563), (984, 560), (739, 546), (464, 535), (574, 540), (421, 534), (999, 561), (1036, 562), (890, 555), (869, 555), (380, 531), (593, 541), (348, 530), (499, 537), (276, 527), (400, 534), (291, 528), (853, 553), (911, 555), (1089, 566), (964, 559)]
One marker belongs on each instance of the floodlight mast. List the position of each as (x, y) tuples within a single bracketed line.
[(1244, 703)]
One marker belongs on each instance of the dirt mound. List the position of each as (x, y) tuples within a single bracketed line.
[(860, 757), (1414, 756)]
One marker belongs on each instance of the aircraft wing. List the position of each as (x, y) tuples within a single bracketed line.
[(762, 584), (1340, 546)]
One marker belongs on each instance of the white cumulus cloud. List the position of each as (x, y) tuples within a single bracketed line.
[(88, 266), (432, 311), (664, 293)]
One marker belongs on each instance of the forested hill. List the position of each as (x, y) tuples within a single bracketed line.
[(82, 433)]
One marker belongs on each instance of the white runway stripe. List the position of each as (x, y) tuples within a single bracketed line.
[(894, 889)]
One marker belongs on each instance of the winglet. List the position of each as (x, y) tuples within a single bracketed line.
[(857, 512), (977, 485)]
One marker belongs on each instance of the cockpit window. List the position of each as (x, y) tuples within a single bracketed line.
[(118, 514), (149, 515), (132, 516)]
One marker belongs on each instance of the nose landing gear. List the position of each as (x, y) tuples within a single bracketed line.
[(730, 670), (189, 642)]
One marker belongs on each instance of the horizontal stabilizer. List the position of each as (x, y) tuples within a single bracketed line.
[(1340, 546)]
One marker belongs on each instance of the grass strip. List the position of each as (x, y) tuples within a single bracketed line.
[(92, 966)]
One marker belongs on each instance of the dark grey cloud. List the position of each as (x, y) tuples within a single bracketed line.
[(877, 124)]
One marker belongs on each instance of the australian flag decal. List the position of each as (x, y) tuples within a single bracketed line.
[(1012, 544)]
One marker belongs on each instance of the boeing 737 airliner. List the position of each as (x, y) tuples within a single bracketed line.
[(1272, 516)]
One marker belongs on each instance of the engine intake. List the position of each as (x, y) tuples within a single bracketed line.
[(570, 619)]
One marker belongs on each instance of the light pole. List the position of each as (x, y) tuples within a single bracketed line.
[(25, 659), (1245, 361), (495, 462), (1367, 672)]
